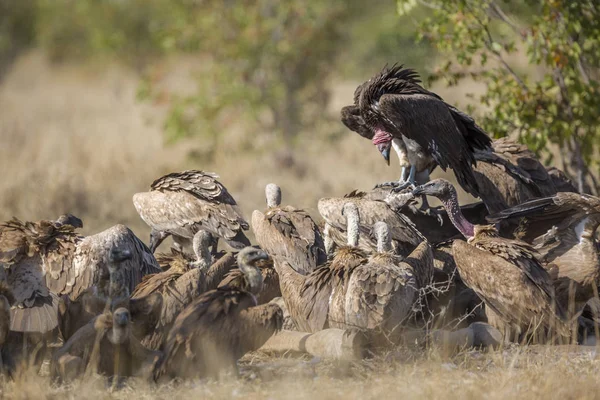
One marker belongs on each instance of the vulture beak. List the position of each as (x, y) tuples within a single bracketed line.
[(419, 190), (384, 149)]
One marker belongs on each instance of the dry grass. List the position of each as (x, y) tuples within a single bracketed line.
[(537, 372)]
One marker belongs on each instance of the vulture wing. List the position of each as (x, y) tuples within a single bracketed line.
[(429, 122), (291, 234), (513, 285), (183, 214)]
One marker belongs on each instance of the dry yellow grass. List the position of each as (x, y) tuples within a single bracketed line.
[(535, 373)]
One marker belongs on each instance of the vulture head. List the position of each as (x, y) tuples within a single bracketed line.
[(69, 219), (118, 255), (440, 188), (273, 194), (247, 259), (156, 238), (443, 190), (120, 326)]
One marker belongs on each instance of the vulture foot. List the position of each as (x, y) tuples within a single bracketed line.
[(403, 186), (392, 184)]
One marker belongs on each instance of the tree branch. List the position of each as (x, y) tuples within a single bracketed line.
[(488, 44), (504, 18)]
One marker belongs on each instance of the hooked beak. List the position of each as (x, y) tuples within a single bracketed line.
[(384, 149), (419, 190), (121, 318), (260, 255)]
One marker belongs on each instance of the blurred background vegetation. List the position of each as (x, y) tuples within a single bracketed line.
[(99, 97)]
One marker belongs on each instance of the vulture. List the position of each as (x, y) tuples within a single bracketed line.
[(219, 327), (506, 274), (562, 228), (382, 292), (105, 345), (182, 203), (92, 261), (37, 260), (289, 233), (405, 236), (183, 281), (423, 128), (510, 174), (111, 291), (449, 303), (317, 301), (270, 290)]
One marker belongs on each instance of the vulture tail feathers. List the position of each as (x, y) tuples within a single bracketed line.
[(521, 210)]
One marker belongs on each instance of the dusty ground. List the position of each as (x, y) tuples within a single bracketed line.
[(537, 372)]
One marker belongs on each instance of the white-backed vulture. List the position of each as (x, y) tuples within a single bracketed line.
[(405, 236), (517, 291), (289, 233), (33, 256), (95, 250), (182, 203), (105, 345), (219, 327), (109, 293), (562, 228), (317, 301), (181, 283), (394, 105), (382, 292)]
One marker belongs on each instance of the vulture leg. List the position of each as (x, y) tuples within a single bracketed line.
[(410, 182), (395, 184)]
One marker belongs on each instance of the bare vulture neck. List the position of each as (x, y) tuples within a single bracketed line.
[(253, 277), (384, 242), (352, 224), (456, 216), (201, 243), (273, 194)]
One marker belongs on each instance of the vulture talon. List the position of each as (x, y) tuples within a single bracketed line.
[(404, 186), (392, 184)]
